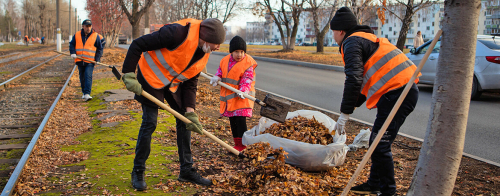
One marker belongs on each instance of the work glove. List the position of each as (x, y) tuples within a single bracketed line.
[(130, 80), (214, 80), (73, 56), (195, 124), (340, 125), (241, 95)]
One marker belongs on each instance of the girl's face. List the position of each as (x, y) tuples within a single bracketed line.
[(238, 55)]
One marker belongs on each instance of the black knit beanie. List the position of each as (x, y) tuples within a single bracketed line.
[(212, 31), (237, 43), (343, 20)]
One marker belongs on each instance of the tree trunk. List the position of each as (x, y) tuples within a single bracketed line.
[(406, 25), (136, 30), (320, 38), (442, 149)]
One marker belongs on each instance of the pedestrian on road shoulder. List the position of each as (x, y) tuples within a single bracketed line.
[(238, 71), (418, 41), (169, 62), (376, 72), (86, 43)]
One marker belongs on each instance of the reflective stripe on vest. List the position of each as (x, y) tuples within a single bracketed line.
[(86, 51), (164, 67), (229, 100), (387, 69)]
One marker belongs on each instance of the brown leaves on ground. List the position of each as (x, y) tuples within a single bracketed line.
[(303, 130), (113, 56), (322, 58)]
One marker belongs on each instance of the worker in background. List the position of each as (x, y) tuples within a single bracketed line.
[(86, 44)]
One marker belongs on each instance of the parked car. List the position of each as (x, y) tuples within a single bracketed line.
[(409, 46), (486, 67)]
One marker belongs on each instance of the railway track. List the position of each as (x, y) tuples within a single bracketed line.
[(27, 96)]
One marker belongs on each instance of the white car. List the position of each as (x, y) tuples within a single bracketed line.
[(486, 67)]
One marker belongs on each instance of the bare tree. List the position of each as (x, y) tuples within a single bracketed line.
[(135, 14), (286, 14), (442, 149), (322, 14), (408, 9)]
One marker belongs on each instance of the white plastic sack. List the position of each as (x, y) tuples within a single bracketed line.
[(362, 140), (309, 157)]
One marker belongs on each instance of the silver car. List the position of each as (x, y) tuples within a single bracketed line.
[(486, 68)]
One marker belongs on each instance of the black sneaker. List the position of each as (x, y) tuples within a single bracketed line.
[(192, 176), (365, 188), (138, 181)]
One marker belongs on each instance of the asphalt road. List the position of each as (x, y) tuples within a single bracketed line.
[(324, 89)]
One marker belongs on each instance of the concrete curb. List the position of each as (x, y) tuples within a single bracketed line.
[(371, 124), (296, 63)]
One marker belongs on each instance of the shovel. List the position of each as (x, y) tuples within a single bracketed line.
[(113, 68), (172, 111), (272, 107)]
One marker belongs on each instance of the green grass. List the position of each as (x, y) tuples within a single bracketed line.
[(5, 72), (112, 153)]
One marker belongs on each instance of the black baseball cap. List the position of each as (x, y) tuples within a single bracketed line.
[(87, 22)]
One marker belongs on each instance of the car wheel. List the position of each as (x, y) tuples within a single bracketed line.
[(475, 89)]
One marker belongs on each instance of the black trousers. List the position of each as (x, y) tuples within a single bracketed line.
[(238, 125), (382, 168), (148, 126)]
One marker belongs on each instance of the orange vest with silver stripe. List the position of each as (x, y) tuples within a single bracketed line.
[(387, 69), (86, 51), (229, 100), (163, 66)]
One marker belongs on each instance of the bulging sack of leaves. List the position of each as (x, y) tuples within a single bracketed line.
[(309, 157)]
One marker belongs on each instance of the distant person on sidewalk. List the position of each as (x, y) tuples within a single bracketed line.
[(238, 71), (376, 72), (86, 43), (26, 40), (418, 40), (168, 63)]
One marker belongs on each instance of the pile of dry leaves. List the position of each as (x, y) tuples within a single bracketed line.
[(264, 172), (303, 130)]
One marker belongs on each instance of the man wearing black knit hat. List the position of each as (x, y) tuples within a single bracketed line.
[(376, 73), (168, 64)]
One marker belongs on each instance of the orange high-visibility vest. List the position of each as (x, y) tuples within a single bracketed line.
[(387, 69), (229, 100), (86, 51), (163, 66)]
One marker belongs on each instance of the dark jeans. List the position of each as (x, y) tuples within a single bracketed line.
[(86, 77), (382, 168), (148, 126), (238, 125)]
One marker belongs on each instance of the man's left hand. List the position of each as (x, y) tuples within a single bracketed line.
[(340, 125)]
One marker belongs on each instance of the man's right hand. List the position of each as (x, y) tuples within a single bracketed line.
[(73, 56), (130, 80)]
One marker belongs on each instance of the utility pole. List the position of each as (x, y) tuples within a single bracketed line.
[(76, 22), (58, 27), (69, 30)]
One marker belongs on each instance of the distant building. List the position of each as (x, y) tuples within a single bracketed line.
[(255, 32)]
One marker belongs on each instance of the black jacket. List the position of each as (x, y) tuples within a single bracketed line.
[(357, 51), (169, 36), (98, 45)]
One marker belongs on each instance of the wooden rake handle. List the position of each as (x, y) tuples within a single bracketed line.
[(235, 90), (391, 116), (98, 63), (187, 121)]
